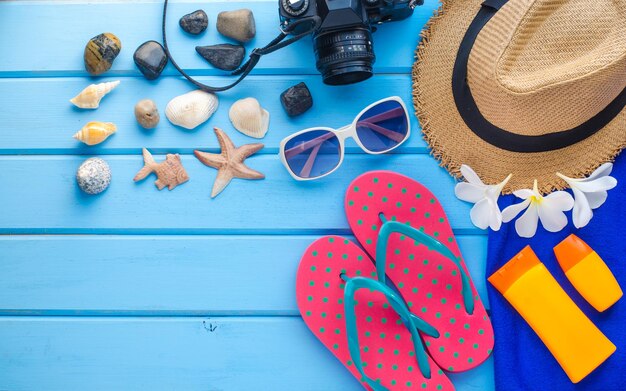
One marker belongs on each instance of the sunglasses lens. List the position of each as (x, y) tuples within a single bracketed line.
[(313, 154), (383, 126)]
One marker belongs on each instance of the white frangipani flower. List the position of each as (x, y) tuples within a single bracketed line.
[(548, 209), (485, 212), (589, 193)]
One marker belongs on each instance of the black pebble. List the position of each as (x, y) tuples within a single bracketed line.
[(150, 58), (195, 22), (296, 99), (224, 56)]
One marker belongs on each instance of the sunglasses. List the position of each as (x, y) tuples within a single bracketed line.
[(316, 152)]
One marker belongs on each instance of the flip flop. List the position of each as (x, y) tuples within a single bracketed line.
[(362, 321), (417, 250)]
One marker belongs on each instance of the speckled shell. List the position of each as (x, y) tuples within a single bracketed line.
[(93, 176), (191, 109), (95, 132), (100, 52), (90, 97), (249, 117)]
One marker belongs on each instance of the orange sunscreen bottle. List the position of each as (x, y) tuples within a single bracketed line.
[(587, 272), (576, 343)]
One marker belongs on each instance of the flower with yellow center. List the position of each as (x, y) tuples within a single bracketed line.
[(549, 209)]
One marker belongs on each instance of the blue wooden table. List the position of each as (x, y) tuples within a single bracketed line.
[(141, 289)]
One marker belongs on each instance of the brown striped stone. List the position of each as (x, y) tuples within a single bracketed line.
[(100, 53)]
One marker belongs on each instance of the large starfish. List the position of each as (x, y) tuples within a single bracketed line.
[(230, 162)]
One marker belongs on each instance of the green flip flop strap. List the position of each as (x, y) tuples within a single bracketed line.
[(390, 227), (352, 286)]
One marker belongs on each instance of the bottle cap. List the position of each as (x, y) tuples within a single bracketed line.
[(571, 251), (515, 268)]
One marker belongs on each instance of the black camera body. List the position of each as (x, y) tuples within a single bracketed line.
[(343, 40)]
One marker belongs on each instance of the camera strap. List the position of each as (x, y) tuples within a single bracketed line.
[(277, 43)]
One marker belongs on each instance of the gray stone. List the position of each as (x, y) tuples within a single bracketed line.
[(93, 176), (238, 25), (224, 56), (195, 22), (296, 99), (150, 58)]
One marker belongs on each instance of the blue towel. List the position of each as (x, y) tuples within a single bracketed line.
[(522, 362)]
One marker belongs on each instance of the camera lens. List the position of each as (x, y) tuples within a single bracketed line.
[(344, 57)]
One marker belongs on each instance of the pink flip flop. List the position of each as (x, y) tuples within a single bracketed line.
[(417, 250), (360, 320)]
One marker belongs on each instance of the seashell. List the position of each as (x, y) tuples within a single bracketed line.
[(90, 97), (191, 109), (249, 117), (93, 176), (95, 132)]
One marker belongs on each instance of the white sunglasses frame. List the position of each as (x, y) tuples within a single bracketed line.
[(342, 134)]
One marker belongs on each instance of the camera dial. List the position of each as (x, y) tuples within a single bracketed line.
[(295, 7)]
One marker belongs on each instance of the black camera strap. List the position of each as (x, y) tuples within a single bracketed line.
[(255, 56)]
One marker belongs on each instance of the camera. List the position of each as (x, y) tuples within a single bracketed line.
[(342, 42)]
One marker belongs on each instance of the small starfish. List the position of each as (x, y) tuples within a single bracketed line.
[(230, 162)]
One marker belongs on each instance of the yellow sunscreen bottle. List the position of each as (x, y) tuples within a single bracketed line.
[(587, 272), (576, 343)]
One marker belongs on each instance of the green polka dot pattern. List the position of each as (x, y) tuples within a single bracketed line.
[(386, 344), (429, 280)]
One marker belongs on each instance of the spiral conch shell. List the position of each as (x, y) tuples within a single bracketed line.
[(95, 132), (191, 109), (90, 97), (249, 117)]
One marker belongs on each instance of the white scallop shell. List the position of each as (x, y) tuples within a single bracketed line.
[(249, 117), (90, 97), (191, 109)]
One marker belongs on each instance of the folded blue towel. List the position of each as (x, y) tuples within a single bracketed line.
[(522, 362)]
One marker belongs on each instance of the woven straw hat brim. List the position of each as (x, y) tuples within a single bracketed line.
[(454, 144)]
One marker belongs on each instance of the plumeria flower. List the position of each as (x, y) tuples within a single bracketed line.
[(485, 212), (589, 193), (548, 209)]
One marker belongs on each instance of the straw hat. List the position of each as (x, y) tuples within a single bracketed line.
[(523, 87)]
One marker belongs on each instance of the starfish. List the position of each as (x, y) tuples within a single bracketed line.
[(229, 162)]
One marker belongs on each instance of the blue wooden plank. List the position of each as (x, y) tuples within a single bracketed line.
[(41, 196), (50, 130), (163, 275), (176, 354), (61, 52)]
